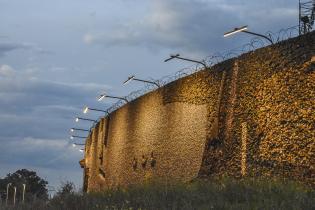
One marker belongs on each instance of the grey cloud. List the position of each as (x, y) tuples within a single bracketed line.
[(35, 118), (6, 71), (194, 25), (44, 109), (7, 47), (41, 152)]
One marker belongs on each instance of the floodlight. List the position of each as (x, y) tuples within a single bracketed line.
[(101, 97), (129, 79), (85, 110), (236, 30), (244, 30)]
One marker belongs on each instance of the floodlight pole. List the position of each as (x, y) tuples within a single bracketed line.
[(244, 30), (140, 80), (86, 109), (77, 144), (186, 59), (99, 110), (146, 81), (107, 96), (81, 137), (80, 118), (263, 36), (79, 129), (117, 98)]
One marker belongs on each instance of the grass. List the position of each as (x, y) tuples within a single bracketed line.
[(215, 194)]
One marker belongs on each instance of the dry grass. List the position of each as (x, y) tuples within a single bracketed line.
[(214, 194)]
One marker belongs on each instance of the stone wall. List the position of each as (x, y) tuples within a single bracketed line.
[(250, 116), (272, 90)]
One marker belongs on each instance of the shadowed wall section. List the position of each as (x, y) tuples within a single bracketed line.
[(250, 116)]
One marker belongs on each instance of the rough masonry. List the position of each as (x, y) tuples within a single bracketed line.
[(253, 115)]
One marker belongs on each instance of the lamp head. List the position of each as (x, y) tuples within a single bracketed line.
[(129, 79), (174, 56), (81, 150), (72, 130), (236, 30), (77, 119), (73, 145), (101, 97), (71, 137), (85, 110)]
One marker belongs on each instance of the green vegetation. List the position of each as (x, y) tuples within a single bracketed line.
[(35, 186), (215, 194)]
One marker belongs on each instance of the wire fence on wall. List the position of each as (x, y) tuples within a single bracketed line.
[(210, 61)]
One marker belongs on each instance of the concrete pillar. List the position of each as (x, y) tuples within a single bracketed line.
[(244, 149)]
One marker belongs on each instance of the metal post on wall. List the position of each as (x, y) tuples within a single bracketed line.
[(177, 56)]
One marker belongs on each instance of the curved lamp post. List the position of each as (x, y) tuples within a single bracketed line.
[(77, 144), (177, 56), (80, 137), (86, 109), (244, 30), (140, 80), (86, 119), (78, 129), (7, 197), (102, 96)]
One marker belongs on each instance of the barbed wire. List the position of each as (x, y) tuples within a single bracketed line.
[(210, 61)]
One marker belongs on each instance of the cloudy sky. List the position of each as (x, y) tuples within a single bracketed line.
[(57, 56)]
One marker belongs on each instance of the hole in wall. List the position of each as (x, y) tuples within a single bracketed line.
[(134, 164), (152, 160), (144, 161)]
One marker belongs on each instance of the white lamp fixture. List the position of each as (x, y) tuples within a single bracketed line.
[(85, 110), (236, 30)]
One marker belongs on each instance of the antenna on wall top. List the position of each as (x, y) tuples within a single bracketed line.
[(306, 16)]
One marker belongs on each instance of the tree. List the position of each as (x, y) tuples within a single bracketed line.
[(64, 194), (67, 188), (36, 187)]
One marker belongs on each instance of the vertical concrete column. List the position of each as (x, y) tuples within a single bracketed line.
[(100, 142), (86, 162), (232, 102), (244, 149), (93, 172), (215, 126), (100, 155)]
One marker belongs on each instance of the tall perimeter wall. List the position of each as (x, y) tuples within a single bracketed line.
[(249, 116)]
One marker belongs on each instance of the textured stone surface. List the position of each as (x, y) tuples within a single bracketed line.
[(174, 132), (193, 126), (273, 91)]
